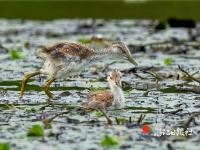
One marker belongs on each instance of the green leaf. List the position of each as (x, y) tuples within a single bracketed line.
[(148, 109), (101, 79), (167, 61), (4, 146), (31, 110), (109, 141), (36, 131), (15, 54), (84, 40), (173, 89), (122, 120), (99, 113), (126, 86)]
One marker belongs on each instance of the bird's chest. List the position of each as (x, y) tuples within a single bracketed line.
[(119, 100), (72, 68), (48, 67)]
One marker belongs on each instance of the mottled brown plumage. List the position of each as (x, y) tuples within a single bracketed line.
[(107, 98), (100, 99), (65, 59), (64, 49), (103, 96)]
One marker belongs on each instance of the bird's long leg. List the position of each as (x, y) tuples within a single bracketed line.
[(46, 87), (25, 80)]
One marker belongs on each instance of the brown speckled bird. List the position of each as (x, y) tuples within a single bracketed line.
[(65, 59), (104, 99)]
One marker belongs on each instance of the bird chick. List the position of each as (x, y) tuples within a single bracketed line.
[(109, 98)]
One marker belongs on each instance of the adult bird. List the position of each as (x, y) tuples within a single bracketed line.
[(65, 59)]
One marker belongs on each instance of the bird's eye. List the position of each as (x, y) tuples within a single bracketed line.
[(111, 78)]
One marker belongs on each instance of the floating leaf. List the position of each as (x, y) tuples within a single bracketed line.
[(99, 113), (167, 61), (15, 54), (126, 86), (101, 79), (27, 45), (84, 40), (121, 120), (4, 146), (36, 131), (109, 141), (148, 109), (31, 110), (173, 89)]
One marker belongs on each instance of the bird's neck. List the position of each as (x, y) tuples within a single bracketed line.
[(119, 100), (107, 51), (105, 54)]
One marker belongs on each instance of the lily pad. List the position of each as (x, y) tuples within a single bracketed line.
[(109, 141), (36, 131), (4, 146)]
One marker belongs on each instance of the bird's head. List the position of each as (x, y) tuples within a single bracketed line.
[(123, 51), (114, 78)]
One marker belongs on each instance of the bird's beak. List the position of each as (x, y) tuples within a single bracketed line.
[(130, 59)]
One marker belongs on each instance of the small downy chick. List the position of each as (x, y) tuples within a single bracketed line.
[(108, 98)]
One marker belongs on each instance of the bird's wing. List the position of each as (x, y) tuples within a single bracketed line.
[(103, 96), (69, 49)]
